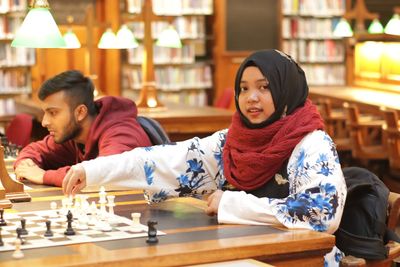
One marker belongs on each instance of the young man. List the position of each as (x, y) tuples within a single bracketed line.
[(79, 129)]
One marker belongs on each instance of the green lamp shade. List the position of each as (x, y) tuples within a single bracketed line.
[(343, 29), (38, 30), (393, 26), (108, 40), (169, 38), (71, 40), (375, 27), (125, 38)]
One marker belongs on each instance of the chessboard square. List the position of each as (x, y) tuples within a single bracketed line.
[(13, 220), (119, 225), (7, 235), (43, 241), (135, 232), (26, 214), (58, 239), (90, 232), (98, 236), (57, 226), (40, 221), (34, 237)]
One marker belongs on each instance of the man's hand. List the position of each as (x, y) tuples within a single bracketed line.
[(213, 202), (74, 181), (29, 170)]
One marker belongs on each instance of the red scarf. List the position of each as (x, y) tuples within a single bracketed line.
[(253, 156)]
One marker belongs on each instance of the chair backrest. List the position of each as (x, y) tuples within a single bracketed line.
[(392, 131), (19, 131), (153, 130), (225, 100)]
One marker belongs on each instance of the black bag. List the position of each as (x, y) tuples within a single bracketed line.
[(363, 232)]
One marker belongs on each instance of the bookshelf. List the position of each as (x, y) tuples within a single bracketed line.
[(182, 75), (15, 63), (307, 35)]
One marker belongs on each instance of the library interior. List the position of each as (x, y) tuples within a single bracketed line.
[(176, 62)]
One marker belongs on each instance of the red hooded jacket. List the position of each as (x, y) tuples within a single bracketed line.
[(114, 131)]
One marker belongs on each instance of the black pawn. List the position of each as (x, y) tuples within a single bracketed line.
[(19, 235), (70, 230), (48, 232), (2, 221), (1, 240), (23, 229), (152, 232)]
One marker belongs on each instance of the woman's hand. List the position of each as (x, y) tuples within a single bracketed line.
[(74, 181), (213, 202)]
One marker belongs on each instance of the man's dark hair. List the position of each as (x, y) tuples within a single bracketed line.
[(78, 89)]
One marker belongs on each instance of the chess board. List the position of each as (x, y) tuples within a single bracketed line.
[(36, 227)]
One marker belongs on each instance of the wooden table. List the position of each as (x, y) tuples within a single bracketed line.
[(179, 121), (182, 122), (367, 99), (191, 238)]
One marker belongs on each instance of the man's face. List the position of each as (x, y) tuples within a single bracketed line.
[(59, 119)]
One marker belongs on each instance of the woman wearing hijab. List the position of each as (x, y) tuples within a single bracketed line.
[(275, 164)]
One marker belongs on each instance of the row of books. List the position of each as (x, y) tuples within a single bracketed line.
[(325, 74), (13, 81), (189, 97), (164, 55), (12, 6), (328, 51), (171, 78), (187, 27), (11, 56), (8, 26), (173, 7), (308, 28), (317, 8)]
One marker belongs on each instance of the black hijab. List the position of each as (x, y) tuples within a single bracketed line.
[(287, 83)]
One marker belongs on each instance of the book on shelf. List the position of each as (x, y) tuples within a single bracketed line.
[(307, 32), (171, 78), (173, 7), (13, 81)]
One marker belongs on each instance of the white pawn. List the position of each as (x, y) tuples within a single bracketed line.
[(136, 227), (85, 204), (64, 206), (93, 214), (112, 219), (53, 207), (17, 254)]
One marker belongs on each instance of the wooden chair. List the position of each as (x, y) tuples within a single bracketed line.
[(393, 247), (392, 133), (366, 136), (335, 124)]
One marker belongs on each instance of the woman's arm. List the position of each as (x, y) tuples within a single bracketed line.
[(185, 168), (317, 192)]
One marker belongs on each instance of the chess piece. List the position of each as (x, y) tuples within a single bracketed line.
[(136, 227), (70, 230), (2, 221), (53, 207), (48, 232), (102, 202), (111, 205), (18, 230), (17, 254), (1, 240), (23, 229), (152, 232)]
